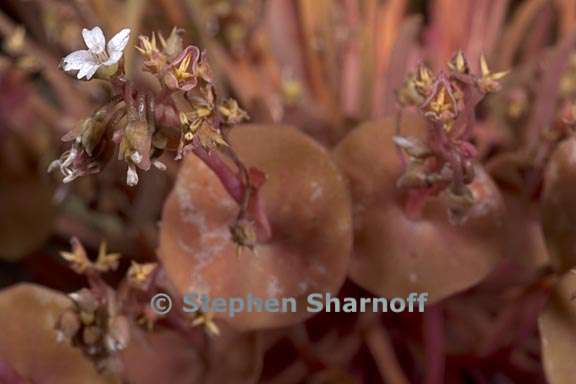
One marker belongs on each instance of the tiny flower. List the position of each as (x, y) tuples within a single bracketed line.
[(488, 82), (232, 112), (80, 263), (424, 80), (183, 74), (458, 63), (206, 320), (154, 60), (78, 258), (140, 275), (173, 44), (99, 54), (442, 105), (106, 261), (209, 137)]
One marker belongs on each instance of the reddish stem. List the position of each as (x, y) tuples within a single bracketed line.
[(236, 188), (434, 344)]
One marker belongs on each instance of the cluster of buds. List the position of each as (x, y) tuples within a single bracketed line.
[(140, 125), (94, 325), (100, 318), (444, 160)]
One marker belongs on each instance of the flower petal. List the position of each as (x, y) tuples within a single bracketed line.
[(114, 58), (77, 59), (118, 43), (94, 39), (87, 70), (92, 71)]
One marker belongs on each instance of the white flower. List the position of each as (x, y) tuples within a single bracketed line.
[(87, 61)]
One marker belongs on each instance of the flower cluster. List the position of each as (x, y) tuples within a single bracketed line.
[(444, 159), (140, 125), (100, 318), (95, 326)]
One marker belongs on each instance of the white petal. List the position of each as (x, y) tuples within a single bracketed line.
[(92, 71), (131, 177), (136, 157), (77, 59), (118, 43), (114, 58), (87, 70), (160, 165), (94, 39)]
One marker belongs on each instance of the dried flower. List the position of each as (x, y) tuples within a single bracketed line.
[(488, 82), (80, 263), (182, 75), (106, 261), (208, 136), (98, 54), (173, 44), (232, 112), (78, 258), (443, 106), (458, 63), (206, 320), (140, 275), (154, 60)]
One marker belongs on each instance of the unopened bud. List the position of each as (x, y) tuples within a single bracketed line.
[(118, 335), (68, 324), (85, 300), (91, 335), (131, 176)]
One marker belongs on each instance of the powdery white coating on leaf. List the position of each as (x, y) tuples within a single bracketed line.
[(273, 289), (317, 191), (321, 269), (212, 240), (396, 253), (309, 214)]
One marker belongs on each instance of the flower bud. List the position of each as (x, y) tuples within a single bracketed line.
[(68, 324), (118, 335), (85, 300), (91, 335)]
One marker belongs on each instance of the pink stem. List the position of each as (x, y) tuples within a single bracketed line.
[(236, 189), (434, 344)]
